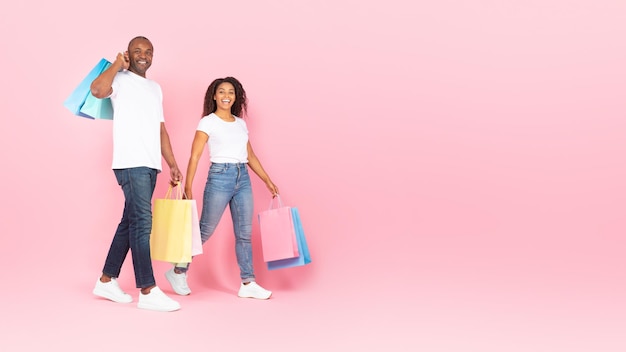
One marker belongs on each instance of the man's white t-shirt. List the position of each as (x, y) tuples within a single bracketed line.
[(137, 116), (228, 141)]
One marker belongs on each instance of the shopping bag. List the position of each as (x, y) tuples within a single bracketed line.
[(278, 238), (171, 239), (97, 108), (304, 256), (196, 240)]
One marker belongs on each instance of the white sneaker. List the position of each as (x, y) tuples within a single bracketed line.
[(178, 282), (157, 300), (111, 290), (253, 290)]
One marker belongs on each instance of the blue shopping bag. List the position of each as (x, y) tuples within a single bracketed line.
[(304, 256), (97, 108), (82, 103)]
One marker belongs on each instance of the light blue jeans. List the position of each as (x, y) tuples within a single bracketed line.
[(229, 184), (133, 231)]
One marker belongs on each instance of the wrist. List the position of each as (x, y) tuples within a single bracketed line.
[(119, 64)]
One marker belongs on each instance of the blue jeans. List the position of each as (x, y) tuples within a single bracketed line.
[(133, 231), (229, 184)]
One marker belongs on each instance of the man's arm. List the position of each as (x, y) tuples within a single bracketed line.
[(168, 155), (101, 86)]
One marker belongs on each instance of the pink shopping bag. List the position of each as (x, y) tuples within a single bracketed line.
[(196, 241), (278, 237), (304, 256)]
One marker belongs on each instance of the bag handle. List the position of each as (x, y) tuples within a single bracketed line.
[(280, 202), (179, 192)]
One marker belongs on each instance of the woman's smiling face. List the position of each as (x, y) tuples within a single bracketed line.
[(225, 96)]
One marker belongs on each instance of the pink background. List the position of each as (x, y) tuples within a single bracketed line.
[(459, 168)]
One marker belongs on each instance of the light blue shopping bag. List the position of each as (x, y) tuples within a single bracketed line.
[(97, 108), (82, 103)]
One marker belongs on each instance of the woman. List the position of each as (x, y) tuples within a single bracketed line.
[(228, 181)]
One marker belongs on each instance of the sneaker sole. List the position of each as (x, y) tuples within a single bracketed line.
[(157, 308), (111, 298), (268, 297)]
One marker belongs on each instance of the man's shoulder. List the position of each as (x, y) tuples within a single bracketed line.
[(154, 83)]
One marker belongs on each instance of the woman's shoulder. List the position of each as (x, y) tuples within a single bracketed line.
[(208, 118), (240, 120), (207, 121)]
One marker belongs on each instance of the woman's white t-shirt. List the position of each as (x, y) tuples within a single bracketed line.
[(228, 141)]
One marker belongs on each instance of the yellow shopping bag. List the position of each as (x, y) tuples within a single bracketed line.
[(173, 225)]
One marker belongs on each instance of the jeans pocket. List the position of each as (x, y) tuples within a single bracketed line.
[(218, 168)]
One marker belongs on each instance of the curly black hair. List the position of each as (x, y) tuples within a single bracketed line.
[(240, 106)]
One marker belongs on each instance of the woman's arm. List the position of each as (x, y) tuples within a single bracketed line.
[(197, 147), (255, 165)]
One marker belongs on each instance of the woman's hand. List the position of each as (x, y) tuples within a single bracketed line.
[(187, 194), (272, 188)]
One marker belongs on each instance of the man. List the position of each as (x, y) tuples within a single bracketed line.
[(139, 141)]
